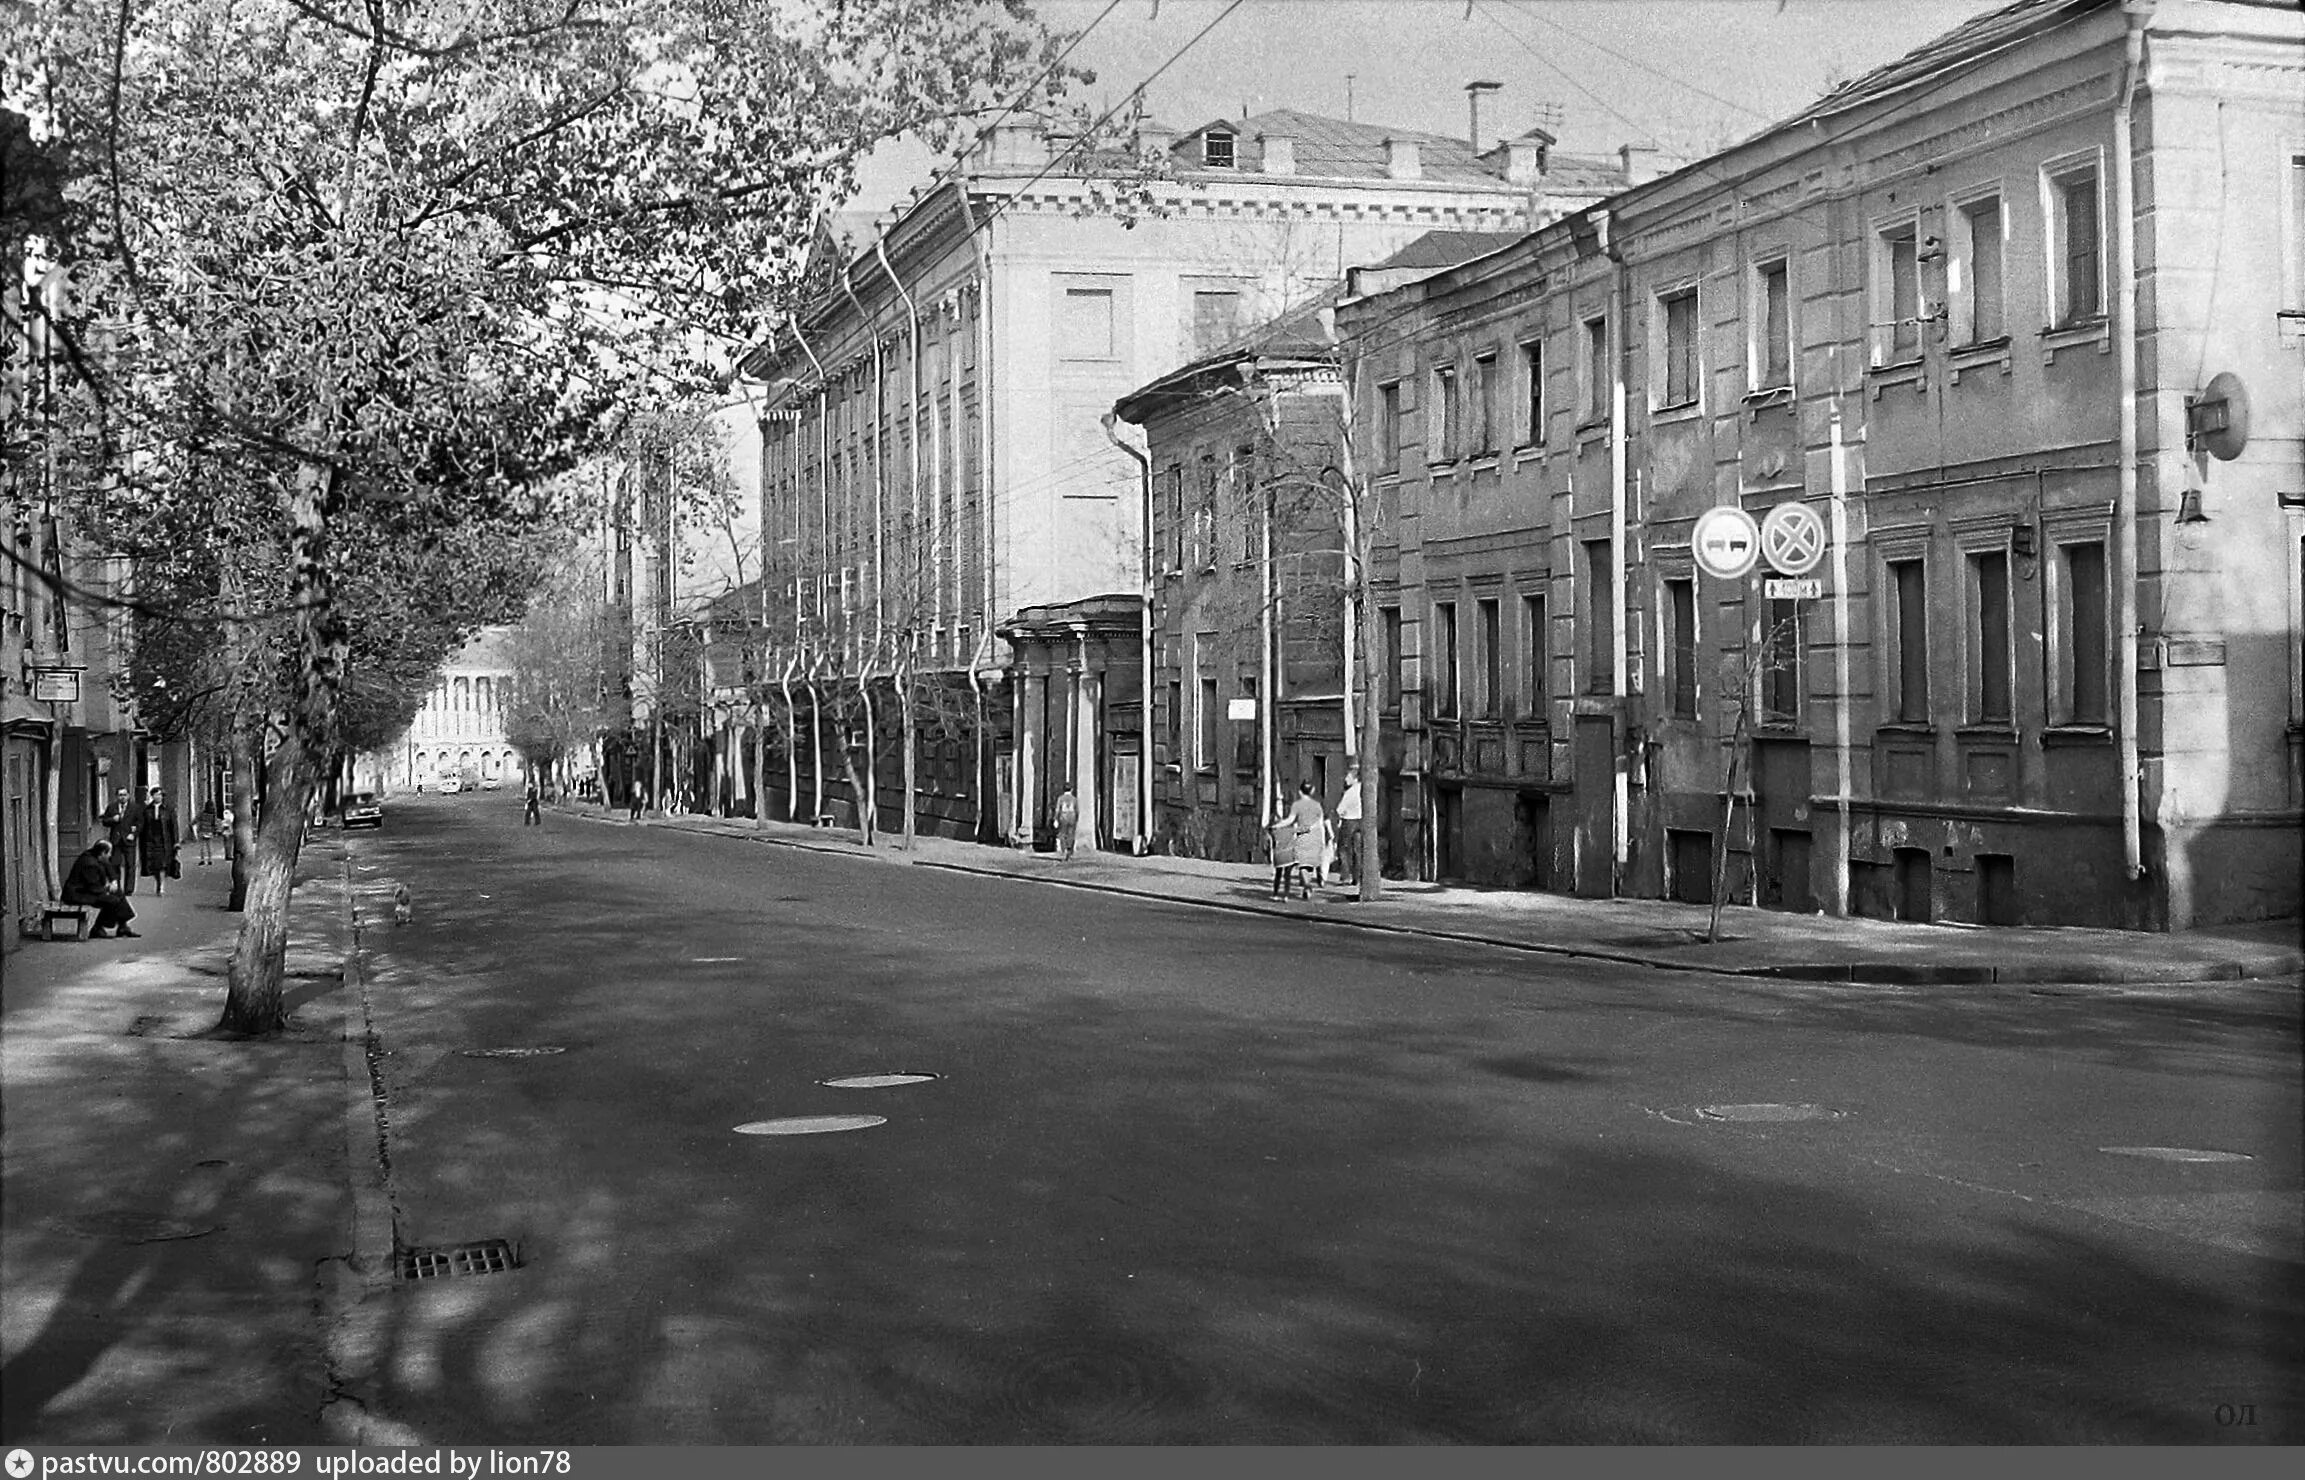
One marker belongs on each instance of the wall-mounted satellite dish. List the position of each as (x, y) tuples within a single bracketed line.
[(2217, 420)]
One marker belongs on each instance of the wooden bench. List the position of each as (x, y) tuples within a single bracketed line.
[(54, 912)]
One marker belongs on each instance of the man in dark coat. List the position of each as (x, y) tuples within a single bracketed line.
[(126, 831), (91, 883), (156, 841)]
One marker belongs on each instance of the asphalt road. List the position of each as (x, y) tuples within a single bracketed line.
[(1192, 1176)]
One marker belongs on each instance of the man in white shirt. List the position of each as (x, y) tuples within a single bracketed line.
[(1349, 831)]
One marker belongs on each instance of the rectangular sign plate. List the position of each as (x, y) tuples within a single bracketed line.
[(1240, 709), (1803, 588), (56, 685)]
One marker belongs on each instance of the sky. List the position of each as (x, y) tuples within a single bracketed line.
[(1687, 75)]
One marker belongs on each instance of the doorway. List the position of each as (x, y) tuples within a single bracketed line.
[(1532, 841), (1593, 768)]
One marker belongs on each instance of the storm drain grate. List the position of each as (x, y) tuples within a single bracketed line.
[(449, 1261)]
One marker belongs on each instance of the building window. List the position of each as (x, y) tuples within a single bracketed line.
[(1204, 552), (1217, 149), (1772, 325), (1990, 656), (1389, 427), (1485, 412), (1246, 733), (1599, 606), (1677, 328), (1486, 635), (1441, 429), (1244, 475), (1781, 648), (1533, 394), (2076, 247), (1897, 296), (1216, 318), (1087, 326), (1596, 369), (1172, 509), (1534, 654), (2082, 647), (1977, 241), (1205, 758), (1441, 681), (1389, 618), (1176, 722), (1680, 646), (1909, 640)]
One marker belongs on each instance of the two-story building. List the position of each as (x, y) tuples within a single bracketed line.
[(2012, 318)]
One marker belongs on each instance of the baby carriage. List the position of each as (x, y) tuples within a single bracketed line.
[(1296, 859)]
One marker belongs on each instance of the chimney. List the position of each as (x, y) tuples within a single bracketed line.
[(1401, 161), (1154, 138), (1012, 146), (1640, 163), (1280, 153), (1473, 91), (1524, 157)]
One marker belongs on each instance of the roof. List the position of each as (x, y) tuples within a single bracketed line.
[(1335, 149), (1438, 249), (1968, 42)]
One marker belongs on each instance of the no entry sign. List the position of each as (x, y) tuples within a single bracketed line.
[(1726, 543)]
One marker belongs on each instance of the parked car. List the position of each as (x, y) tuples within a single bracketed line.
[(490, 783), (363, 809), (450, 785)]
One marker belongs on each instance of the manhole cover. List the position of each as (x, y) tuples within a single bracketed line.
[(538, 1051), (2176, 1153), (450, 1261), (1767, 1112), (810, 1125), (134, 1228), (875, 1081)]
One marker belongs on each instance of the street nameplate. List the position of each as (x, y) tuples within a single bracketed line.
[(1805, 588), (56, 685)]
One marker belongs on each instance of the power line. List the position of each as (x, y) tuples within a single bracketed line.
[(1633, 61), (1557, 70)]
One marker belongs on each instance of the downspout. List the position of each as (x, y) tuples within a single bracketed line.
[(868, 805), (823, 518), (1143, 841), (916, 568), (1841, 716), (1620, 798), (2125, 506), (984, 410), (1267, 697)]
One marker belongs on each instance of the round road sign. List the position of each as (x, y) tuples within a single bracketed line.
[(1793, 539), (1726, 542)]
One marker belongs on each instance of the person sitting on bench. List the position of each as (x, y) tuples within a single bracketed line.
[(91, 883)]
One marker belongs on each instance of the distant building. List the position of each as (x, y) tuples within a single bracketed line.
[(934, 459), (2024, 312), (460, 730)]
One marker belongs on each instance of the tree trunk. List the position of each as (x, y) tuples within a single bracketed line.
[(252, 993), (904, 699), (247, 755), (1728, 816)]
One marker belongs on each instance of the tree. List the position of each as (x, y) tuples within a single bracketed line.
[(396, 255)]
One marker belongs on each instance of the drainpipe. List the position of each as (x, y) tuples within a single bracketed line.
[(2125, 507), (984, 420), (909, 594), (1841, 718), (868, 805), (824, 526), (1620, 797), (1144, 644)]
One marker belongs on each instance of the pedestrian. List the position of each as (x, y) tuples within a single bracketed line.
[(224, 832), (528, 817), (92, 882), (1312, 828), (1067, 822), (1349, 832), (635, 803), (123, 820), (205, 828), (156, 842)]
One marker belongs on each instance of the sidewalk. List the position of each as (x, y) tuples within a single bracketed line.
[(172, 1198), (1645, 932)]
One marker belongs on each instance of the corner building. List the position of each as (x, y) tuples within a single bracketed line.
[(1997, 313)]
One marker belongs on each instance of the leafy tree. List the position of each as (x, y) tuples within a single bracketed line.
[(358, 279)]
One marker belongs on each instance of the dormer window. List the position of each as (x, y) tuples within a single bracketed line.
[(1217, 149)]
